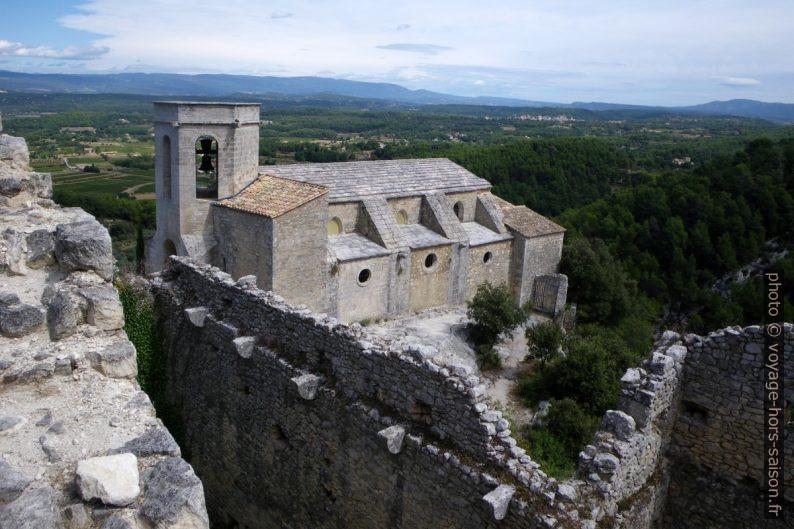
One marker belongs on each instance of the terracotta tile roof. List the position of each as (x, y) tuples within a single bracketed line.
[(528, 223), (271, 196)]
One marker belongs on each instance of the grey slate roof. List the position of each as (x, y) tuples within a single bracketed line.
[(386, 178), (354, 246), (479, 234), (419, 236)]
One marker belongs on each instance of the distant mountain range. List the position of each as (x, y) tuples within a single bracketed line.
[(219, 85)]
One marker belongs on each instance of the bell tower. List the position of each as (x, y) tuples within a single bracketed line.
[(204, 151)]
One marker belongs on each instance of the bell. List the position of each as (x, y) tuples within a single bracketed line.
[(206, 164)]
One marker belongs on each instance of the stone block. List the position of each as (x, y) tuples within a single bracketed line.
[(156, 440), (196, 316), (307, 385), (84, 245), (33, 509), (116, 360), (12, 483), (244, 345), (18, 319), (103, 308), (63, 315), (173, 496), (111, 479), (498, 500), (394, 436), (41, 248), (619, 423)]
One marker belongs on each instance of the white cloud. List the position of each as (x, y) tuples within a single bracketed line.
[(740, 81), (672, 52), (424, 49), (16, 49)]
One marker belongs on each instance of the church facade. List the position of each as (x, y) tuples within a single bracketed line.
[(356, 240)]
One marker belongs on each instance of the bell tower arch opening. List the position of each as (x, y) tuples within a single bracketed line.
[(207, 167), (165, 162)]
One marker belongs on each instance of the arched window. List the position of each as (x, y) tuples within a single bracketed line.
[(458, 209), (430, 260), (487, 256), (334, 226), (206, 167), (401, 217), (166, 167)]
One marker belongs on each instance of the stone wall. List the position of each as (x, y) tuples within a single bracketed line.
[(300, 250), (246, 247), (356, 301), (531, 258), (430, 286), (496, 270), (718, 439), (81, 446), (311, 423)]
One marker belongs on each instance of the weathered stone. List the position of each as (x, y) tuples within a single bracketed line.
[(499, 500), (307, 385), (84, 245), (619, 423), (116, 522), (19, 319), (173, 496), (394, 436), (156, 440), (248, 281), (49, 449), (33, 509), (12, 252), (111, 479), (196, 315), (567, 492), (10, 424), (12, 483), (13, 155), (244, 345), (41, 248), (116, 360), (77, 517), (103, 308), (606, 462), (63, 314)]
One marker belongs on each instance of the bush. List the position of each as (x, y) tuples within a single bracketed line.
[(556, 444), (543, 341), (493, 311)]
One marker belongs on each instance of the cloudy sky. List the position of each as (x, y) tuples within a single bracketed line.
[(629, 51)]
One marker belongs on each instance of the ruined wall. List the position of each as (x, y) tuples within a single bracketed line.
[(718, 447), (81, 446), (308, 423)]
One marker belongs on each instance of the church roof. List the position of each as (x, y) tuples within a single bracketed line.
[(271, 196), (387, 178), (526, 222)]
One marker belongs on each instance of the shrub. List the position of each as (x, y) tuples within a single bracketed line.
[(543, 341), (493, 311)]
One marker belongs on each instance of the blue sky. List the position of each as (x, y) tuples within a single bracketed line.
[(630, 51)]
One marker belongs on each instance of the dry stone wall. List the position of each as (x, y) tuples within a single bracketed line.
[(80, 445)]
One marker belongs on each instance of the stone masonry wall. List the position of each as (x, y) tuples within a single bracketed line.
[(81, 446), (718, 447), (296, 420)]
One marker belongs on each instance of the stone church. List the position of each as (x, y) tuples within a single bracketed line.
[(357, 240)]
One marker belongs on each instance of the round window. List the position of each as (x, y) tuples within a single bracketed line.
[(430, 260), (364, 276), (487, 257)]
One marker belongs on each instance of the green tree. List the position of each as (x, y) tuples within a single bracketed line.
[(492, 311), (543, 341)]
